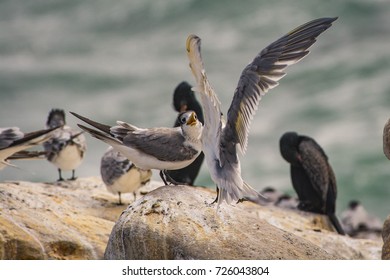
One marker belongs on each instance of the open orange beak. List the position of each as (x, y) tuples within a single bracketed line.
[(192, 120)]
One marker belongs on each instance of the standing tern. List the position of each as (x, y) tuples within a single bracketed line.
[(66, 149), (159, 148), (120, 175)]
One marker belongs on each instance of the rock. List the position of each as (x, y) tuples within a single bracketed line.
[(386, 240), (66, 220), (176, 222), (74, 219)]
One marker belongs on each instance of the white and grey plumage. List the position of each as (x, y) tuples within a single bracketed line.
[(120, 175), (357, 222), (386, 139), (14, 142), (159, 148), (280, 199), (221, 139), (66, 148)]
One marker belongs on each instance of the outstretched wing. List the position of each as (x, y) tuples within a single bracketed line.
[(263, 74), (210, 102), (9, 135)]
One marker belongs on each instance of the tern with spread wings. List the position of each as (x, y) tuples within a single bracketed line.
[(221, 139)]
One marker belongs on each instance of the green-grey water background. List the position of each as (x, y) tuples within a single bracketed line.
[(121, 60)]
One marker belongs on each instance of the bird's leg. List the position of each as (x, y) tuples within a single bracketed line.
[(120, 200), (242, 200), (216, 199), (173, 181), (73, 177), (60, 176), (162, 177)]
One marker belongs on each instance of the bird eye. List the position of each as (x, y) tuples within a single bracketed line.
[(183, 120)]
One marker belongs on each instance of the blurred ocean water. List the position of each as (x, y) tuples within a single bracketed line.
[(121, 60)]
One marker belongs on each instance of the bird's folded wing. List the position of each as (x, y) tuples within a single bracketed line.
[(113, 166), (316, 167), (165, 144)]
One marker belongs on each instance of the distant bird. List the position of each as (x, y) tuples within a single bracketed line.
[(120, 175), (66, 149), (287, 201), (278, 198), (386, 139), (357, 222), (184, 100), (311, 175), (14, 142), (271, 194), (221, 139), (154, 148)]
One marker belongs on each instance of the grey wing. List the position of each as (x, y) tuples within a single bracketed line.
[(316, 166), (9, 135), (59, 140), (166, 144), (263, 74), (113, 165)]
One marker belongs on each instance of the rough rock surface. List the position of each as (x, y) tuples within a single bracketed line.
[(386, 240), (176, 222), (74, 219), (65, 220)]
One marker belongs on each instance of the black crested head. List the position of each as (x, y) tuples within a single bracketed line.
[(183, 97), (288, 144), (353, 204), (56, 118)]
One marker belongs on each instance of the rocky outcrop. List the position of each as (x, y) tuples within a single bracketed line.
[(176, 222), (386, 240), (66, 220), (74, 220)]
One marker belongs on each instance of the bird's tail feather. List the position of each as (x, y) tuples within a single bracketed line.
[(103, 127), (246, 192), (335, 222), (107, 138), (35, 137), (252, 195)]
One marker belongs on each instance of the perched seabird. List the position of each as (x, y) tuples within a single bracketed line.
[(386, 139), (220, 139), (287, 201), (357, 222), (66, 148), (120, 175), (278, 198), (312, 176), (184, 100), (271, 194), (14, 142), (159, 148)]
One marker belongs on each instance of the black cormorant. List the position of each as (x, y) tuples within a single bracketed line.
[(312, 176)]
